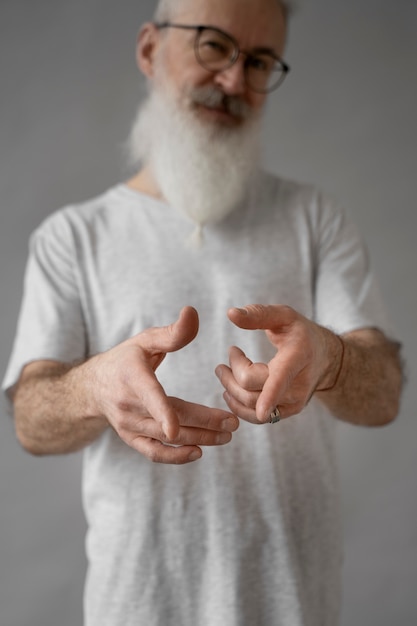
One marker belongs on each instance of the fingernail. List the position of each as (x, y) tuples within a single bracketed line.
[(242, 311), (230, 424), (223, 438), (194, 456)]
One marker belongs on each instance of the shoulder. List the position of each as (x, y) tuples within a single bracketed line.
[(285, 187), (298, 200), (78, 215)]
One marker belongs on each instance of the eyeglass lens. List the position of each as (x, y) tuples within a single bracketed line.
[(216, 52)]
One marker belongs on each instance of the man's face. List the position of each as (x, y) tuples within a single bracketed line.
[(253, 24), (198, 131)]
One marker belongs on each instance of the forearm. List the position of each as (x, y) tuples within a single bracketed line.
[(53, 408), (357, 376), (368, 387), (61, 408)]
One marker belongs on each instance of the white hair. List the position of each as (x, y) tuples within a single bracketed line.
[(165, 9), (201, 169)]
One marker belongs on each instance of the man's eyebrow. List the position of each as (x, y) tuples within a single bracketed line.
[(264, 50), (255, 50)]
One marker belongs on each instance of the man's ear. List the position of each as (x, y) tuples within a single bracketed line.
[(146, 45)]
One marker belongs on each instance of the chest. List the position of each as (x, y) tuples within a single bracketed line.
[(143, 274)]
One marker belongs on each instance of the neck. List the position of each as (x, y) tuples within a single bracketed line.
[(144, 182)]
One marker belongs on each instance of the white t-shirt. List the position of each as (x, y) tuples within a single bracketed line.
[(249, 535)]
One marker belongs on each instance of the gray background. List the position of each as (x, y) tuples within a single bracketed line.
[(345, 119)]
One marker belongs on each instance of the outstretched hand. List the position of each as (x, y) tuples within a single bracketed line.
[(307, 358), (128, 393)]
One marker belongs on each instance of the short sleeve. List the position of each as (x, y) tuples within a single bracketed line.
[(347, 295), (50, 323)]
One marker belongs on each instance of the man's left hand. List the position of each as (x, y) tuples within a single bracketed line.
[(308, 358)]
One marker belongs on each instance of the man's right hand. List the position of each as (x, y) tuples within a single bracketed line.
[(60, 408), (130, 396)]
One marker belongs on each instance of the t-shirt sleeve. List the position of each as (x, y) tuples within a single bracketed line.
[(347, 294), (50, 323)]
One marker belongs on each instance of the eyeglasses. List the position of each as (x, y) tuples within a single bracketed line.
[(216, 51)]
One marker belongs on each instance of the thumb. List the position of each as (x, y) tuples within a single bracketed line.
[(261, 316), (174, 336)]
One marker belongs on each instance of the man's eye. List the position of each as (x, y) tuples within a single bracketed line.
[(216, 46), (261, 64)]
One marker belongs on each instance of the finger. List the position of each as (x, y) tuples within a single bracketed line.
[(253, 415), (172, 337), (260, 316), (187, 435), (250, 415), (286, 409), (158, 452), (272, 395), (203, 417), (156, 403), (281, 388), (243, 411), (227, 379), (249, 375)]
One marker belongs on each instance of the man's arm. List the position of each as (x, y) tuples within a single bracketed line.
[(51, 408), (357, 376), (368, 388), (61, 408)]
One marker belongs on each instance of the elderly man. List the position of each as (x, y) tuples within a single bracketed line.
[(249, 535)]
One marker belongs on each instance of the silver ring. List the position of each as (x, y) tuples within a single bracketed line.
[(275, 416)]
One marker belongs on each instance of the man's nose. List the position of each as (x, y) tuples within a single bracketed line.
[(232, 80)]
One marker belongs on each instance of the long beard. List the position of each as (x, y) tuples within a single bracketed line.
[(202, 169)]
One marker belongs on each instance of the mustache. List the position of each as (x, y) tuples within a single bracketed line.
[(215, 99)]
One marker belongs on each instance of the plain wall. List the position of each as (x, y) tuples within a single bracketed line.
[(346, 120)]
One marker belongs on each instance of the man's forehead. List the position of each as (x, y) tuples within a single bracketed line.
[(263, 19), (238, 8)]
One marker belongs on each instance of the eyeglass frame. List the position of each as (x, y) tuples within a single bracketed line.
[(200, 28)]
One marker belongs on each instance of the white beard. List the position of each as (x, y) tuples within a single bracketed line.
[(202, 169)]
